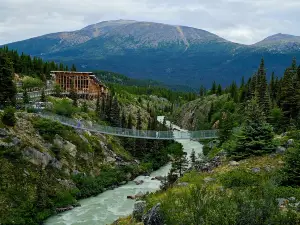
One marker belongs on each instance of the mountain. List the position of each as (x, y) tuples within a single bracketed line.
[(177, 55), (280, 43)]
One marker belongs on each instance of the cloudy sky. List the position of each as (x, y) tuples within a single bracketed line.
[(243, 21)]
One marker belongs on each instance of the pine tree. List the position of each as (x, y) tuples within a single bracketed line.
[(214, 88), (139, 121), (43, 96), (73, 94), (256, 136), (8, 89), (115, 113), (84, 107), (26, 99), (108, 105), (234, 92), (288, 97), (98, 107), (202, 91), (219, 90), (73, 68), (262, 88), (123, 120), (180, 164), (129, 123), (193, 158), (225, 126)]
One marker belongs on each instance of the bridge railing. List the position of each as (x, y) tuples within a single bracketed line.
[(147, 134)]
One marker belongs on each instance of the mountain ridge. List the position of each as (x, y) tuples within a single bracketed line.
[(167, 53)]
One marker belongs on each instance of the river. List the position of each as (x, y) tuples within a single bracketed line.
[(113, 204)]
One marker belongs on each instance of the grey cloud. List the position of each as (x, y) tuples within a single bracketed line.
[(244, 21)]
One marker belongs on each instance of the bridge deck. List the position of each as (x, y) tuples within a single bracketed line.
[(133, 133)]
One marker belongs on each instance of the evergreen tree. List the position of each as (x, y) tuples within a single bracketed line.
[(225, 126), (115, 113), (123, 120), (214, 88), (256, 136), (84, 107), (43, 96), (288, 98), (262, 88), (219, 90), (193, 158), (180, 164), (73, 94), (108, 105), (9, 117), (73, 68), (98, 107), (8, 89), (26, 99), (202, 91), (234, 92), (139, 121), (292, 167), (129, 123)]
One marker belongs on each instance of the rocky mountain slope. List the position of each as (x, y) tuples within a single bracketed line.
[(173, 54)]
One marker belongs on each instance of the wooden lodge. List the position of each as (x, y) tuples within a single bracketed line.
[(86, 84)]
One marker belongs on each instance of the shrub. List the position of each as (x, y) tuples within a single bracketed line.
[(64, 108), (291, 170), (9, 117), (48, 128)]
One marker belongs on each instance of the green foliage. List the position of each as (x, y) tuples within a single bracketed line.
[(64, 107), (43, 96), (291, 168), (8, 88), (9, 117), (91, 186), (31, 82), (84, 107), (256, 135), (240, 178), (48, 128)]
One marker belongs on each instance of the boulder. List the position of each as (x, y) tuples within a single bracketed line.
[(70, 148), (56, 164), (123, 183), (280, 150), (153, 216), (84, 138), (110, 159), (3, 133), (292, 199), (130, 196), (255, 170), (209, 179), (128, 176), (290, 142), (183, 184), (138, 210), (138, 182), (160, 178), (268, 168), (282, 201), (36, 157), (139, 195), (234, 163)]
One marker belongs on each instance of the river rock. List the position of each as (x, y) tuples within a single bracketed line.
[(234, 163), (138, 210), (153, 216), (160, 178), (138, 182), (280, 150)]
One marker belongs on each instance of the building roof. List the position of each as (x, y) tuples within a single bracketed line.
[(91, 75)]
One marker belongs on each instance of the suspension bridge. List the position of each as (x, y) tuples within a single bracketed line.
[(132, 133)]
